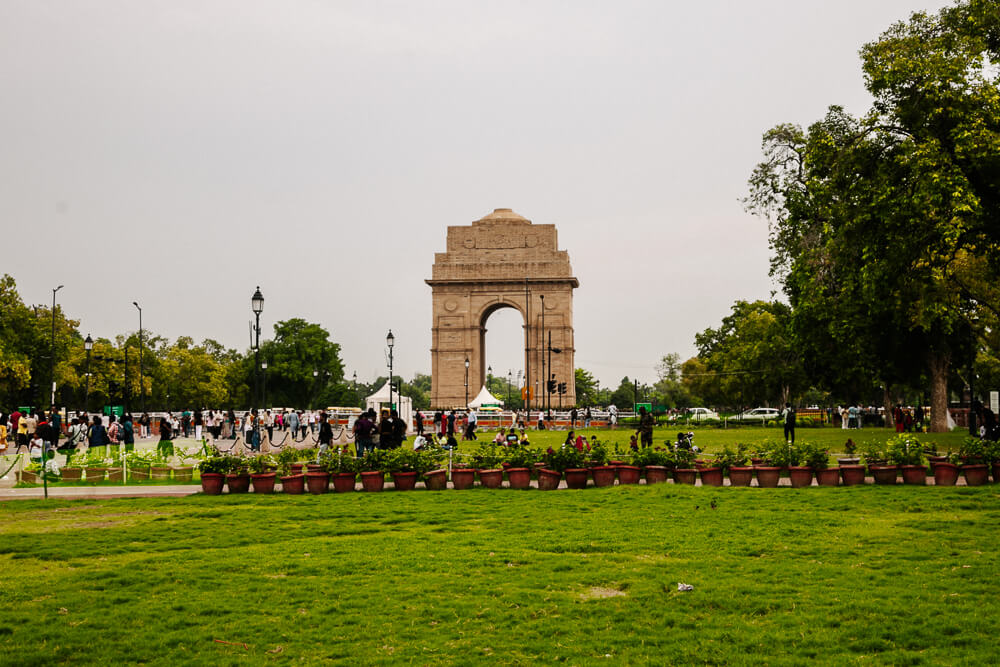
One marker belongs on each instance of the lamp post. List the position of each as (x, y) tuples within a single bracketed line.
[(263, 367), (510, 375), (466, 382), (88, 345), (390, 340), (354, 383), (142, 387), (257, 306), (541, 344), (53, 359)]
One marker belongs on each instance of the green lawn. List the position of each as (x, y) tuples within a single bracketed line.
[(887, 575)]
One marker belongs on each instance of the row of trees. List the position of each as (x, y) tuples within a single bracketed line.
[(304, 366)]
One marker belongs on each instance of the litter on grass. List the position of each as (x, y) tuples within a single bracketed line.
[(684, 587)]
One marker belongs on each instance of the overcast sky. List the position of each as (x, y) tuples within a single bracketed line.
[(181, 153)]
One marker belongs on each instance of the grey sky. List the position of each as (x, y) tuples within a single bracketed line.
[(182, 153)]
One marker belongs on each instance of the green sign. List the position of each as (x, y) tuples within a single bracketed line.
[(116, 410), (648, 406)]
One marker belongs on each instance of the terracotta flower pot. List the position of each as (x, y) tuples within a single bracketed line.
[(343, 482), (685, 475), (576, 478), (491, 479), (828, 476), (548, 480), (317, 481), (628, 474), (800, 476), (73, 474), (238, 483), (519, 478), (711, 476), (436, 480), (945, 474), (293, 484), (263, 482), (603, 475), (183, 473), (767, 476), (373, 480), (315, 467), (463, 478), (159, 472), (138, 474), (28, 477), (212, 483), (404, 481), (976, 474), (740, 476), (996, 472), (656, 474), (95, 474), (297, 468), (884, 474), (852, 475), (116, 474), (914, 474)]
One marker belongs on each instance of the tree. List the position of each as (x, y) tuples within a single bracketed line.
[(872, 219), (299, 349), (670, 390), (586, 388)]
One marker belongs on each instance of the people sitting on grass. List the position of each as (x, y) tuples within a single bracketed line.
[(501, 437), (512, 439)]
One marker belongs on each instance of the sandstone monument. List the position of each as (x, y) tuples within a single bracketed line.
[(501, 261)]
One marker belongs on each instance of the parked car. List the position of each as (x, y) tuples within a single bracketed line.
[(759, 414), (701, 414)]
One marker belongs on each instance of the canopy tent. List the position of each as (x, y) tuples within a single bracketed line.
[(380, 399), (485, 400)]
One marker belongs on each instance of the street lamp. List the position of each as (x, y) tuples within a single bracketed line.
[(354, 383), (390, 340), (263, 367), (257, 306), (466, 382), (88, 345), (53, 360), (142, 387)]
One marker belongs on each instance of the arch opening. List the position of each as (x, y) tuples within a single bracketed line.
[(502, 345)]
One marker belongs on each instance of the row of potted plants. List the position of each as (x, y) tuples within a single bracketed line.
[(98, 466)]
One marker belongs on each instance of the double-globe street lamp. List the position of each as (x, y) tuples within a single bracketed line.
[(257, 306), (88, 345), (390, 341), (466, 382), (52, 366), (142, 387)]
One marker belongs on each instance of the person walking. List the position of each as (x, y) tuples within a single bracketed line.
[(470, 425), (97, 436), (293, 424), (363, 434), (451, 423), (645, 430), (325, 435), (419, 419), (199, 424), (128, 433), (788, 418)]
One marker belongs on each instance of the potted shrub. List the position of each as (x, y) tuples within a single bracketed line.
[(851, 459), (906, 452), (213, 471), (520, 461), (372, 467), (183, 473), (95, 467), (569, 461), (800, 473), (627, 469), (655, 462), (993, 455), (462, 476), (291, 482), (973, 454), (138, 463), (343, 469), (818, 459), (159, 465), (428, 464), (877, 460), (684, 470), (488, 459), (238, 477), (712, 473), (262, 475), (72, 471), (604, 474), (773, 459), (946, 472), (734, 464)]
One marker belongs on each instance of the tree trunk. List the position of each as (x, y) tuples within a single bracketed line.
[(887, 405), (938, 363)]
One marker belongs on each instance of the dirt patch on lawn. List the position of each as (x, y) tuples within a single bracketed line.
[(601, 592)]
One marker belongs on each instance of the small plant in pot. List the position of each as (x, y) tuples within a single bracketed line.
[(877, 460), (403, 465), (993, 456), (684, 470), (818, 459), (262, 475), (343, 469), (906, 452), (974, 457), (628, 469), (291, 482), (372, 467), (774, 457), (604, 474), (799, 471), (734, 463), (488, 459), (213, 471), (656, 463), (520, 462)]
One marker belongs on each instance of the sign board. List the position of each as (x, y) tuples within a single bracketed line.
[(527, 391), (116, 410), (648, 406), (995, 402)]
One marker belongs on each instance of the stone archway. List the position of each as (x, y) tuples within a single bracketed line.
[(500, 261)]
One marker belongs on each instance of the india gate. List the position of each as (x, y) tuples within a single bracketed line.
[(501, 261)]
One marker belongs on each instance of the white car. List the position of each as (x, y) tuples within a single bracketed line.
[(701, 414), (760, 414)]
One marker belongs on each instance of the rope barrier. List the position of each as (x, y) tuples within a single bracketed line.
[(16, 461)]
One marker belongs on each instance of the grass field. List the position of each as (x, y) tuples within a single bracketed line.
[(885, 575)]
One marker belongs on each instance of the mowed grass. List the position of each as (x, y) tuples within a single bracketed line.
[(884, 575)]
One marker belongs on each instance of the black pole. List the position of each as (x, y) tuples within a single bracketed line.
[(541, 344), (52, 364), (527, 349), (86, 395), (548, 394), (142, 387), (125, 392)]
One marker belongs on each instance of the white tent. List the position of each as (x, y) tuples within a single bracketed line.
[(404, 404), (485, 398)]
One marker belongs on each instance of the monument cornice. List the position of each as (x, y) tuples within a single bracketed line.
[(572, 281)]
